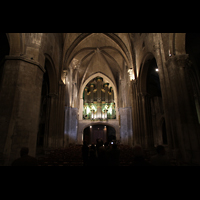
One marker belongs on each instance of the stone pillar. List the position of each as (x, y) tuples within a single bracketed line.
[(123, 93), (136, 136), (61, 116), (52, 121), (145, 121), (147, 117), (20, 107), (73, 125), (197, 103), (66, 127), (126, 126), (81, 109), (70, 85), (140, 121), (184, 118)]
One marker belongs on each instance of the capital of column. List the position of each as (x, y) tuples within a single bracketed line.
[(25, 59), (75, 64)]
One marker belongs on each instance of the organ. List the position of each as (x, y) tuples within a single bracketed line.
[(98, 101)]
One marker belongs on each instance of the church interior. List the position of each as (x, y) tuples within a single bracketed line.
[(58, 90)]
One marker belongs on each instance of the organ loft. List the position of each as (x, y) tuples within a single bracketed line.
[(58, 90), (99, 101)]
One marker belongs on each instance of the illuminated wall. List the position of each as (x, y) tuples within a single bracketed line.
[(98, 101)]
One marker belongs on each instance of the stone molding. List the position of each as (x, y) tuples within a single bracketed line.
[(25, 59)]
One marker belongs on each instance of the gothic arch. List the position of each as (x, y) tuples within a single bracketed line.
[(50, 68), (144, 71), (113, 85), (149, 99)]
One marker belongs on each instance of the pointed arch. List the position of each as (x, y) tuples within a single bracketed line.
[(113, 85), (144, 71), (83, 85), (50, 68)]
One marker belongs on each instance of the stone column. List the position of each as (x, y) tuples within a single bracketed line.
[(66, 127), (140, 121), (147, 122), (61, 116), (52, 120), (70, 84), (159, 53), (184, 118), (126, 125), (20, 107), (136, 136), (71, 126)]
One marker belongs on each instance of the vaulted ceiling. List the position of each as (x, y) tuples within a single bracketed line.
[(107, 53)]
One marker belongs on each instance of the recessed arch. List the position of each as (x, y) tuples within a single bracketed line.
[(107, 79), (83, 85), (144, 67), (50, 68)]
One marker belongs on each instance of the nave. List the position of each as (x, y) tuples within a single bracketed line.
[(72, 156)]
